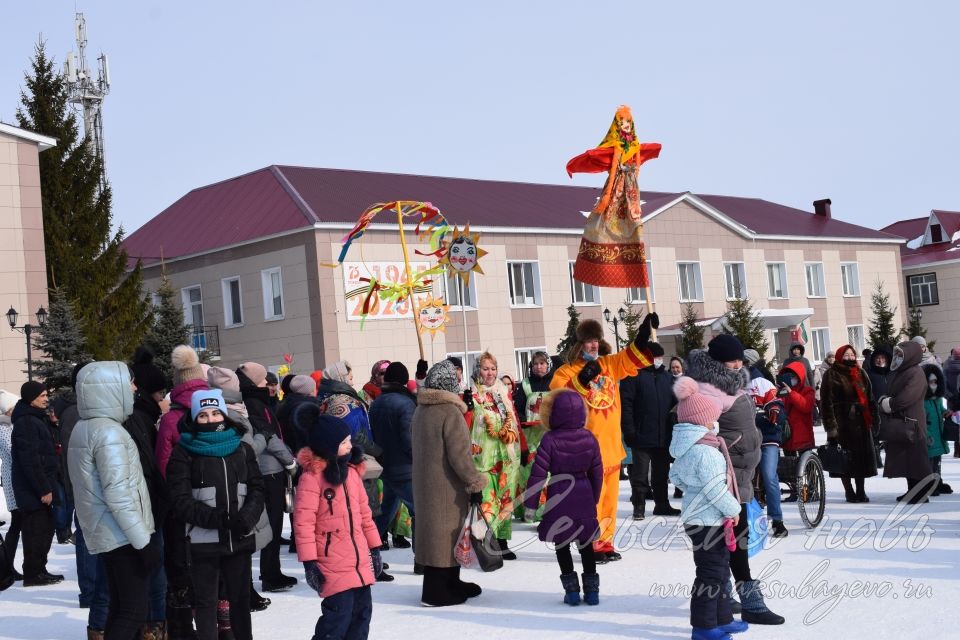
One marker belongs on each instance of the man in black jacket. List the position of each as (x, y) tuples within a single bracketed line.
[(646, 401), (35, 470)]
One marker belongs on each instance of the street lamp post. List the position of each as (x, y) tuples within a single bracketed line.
[(27, 330), (616, 320)]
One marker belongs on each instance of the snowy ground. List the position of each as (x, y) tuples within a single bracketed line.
[(869, 571)]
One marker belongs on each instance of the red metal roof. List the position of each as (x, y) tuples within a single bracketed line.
[(277, 199), (936, 252), (908, 229)]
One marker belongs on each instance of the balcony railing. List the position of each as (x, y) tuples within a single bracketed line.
[(206, 338)]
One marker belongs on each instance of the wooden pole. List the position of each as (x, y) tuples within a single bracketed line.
[(406, 266), (653, 332)]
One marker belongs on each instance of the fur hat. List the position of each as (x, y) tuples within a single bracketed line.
[(255, 372), (563, 409), (304, 385), (655, 350), (205, 398), (7, 400), (396, 374), (725, 348), (442, 376), (186, 365), (692, 406), (146, 375), (589, 330), (223, 378)]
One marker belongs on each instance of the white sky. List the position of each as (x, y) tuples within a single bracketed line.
[(855, 100)]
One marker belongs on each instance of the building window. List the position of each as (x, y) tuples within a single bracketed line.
[(272, 281), (691, 287), (736, 280), (523, 357), (456, 291), (855, 337), (777, 280), (936, 233), (232, 304), (468, 365), (850, 274), (639, 294), (815, 287), (923, 289), (582, 293), (192, 306), (821, 343), (524, 284)]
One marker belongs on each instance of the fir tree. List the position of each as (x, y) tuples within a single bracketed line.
[(632, 321), (570, 336), (915, 328), (84, 257), (746, 324), (882, 331), (169, 328), (61, 340), (691, 334)]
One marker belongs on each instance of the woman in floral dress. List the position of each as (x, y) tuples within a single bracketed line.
[(495, 443)]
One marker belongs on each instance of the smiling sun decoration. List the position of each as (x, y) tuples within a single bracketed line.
[(463, 255), (432, 316)]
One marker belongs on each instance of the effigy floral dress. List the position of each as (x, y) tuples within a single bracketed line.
[(495, 444)]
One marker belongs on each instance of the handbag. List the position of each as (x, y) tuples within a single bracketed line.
[(756, 528), (898, 429), (371, 468), (834, 459), (289, 495), (477, 547), (951, 430)]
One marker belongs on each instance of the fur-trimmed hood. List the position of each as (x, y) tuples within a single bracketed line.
[(702, 368), (571, 410), (427, 396)]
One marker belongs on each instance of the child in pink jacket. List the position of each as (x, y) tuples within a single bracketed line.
[(337, 540)]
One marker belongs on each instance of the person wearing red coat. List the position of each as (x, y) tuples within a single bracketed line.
[(800, 400)]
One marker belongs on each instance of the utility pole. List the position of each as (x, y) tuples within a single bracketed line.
[(88, 93)]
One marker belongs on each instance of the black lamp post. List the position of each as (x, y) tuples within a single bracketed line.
[(27, 330), (616, 320)]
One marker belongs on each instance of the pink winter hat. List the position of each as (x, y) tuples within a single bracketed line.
[(695, 407)]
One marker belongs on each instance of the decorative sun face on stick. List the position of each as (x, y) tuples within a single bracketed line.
[(463, 255), (432, 316)]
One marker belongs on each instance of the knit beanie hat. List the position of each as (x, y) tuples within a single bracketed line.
[(304, 385), (442, 376), (695, 407), (205, 398), (186, 365), (7, 400), (920, 340), (285, 383), (223, 378), (317, 377), (396, 374), (31, 390), (725, 348), (146, 375), (325, 435), (257, 373), (750, 356), (457, 362), (272, 378)]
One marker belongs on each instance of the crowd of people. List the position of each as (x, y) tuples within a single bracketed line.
[(167, 489)]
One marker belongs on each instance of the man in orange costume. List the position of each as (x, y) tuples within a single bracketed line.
[(595, 373)]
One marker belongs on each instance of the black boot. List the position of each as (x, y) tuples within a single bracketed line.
[(180, 615), (257, 601), (469, 589), (755, 610), (638, 511), (399, 542), (505, 552), (436, 588), (779, 531), (848, 489), (861, 492)]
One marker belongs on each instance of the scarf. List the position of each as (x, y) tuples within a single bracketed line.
[(713, 440), (856, 377), (214, 444), (336, 470), (329, 387)]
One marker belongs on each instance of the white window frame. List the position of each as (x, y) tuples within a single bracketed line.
[(637, 295), (743, 280), (266, 283), (584, 287), (824, 344), (698, 284), (188, 318), (537, 291), (932, 289), (783, 281), (858, 344), (854, 290), (523, 364), (822, 281), (229, 321), (472, 357), (470, 288)]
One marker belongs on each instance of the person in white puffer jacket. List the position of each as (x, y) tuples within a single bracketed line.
[(112, 500)]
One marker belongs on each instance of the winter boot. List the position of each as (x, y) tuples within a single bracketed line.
[(638, 511), (851, 495), (755, 611), (735, 607), (399, 542), (156, 630), (715, 633), (469, 589), (779, 531), (505, 552), (677, 494), (94, 634), (571, 588), (436, 588), (257, 601), (861, 492), (591, 588), (735, 626), (945, 489)]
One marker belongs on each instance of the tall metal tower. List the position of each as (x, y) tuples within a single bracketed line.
[(86, 92)]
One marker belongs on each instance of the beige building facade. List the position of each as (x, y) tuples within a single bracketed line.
[(23, 276)]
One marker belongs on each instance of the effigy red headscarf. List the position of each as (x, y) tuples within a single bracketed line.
[(856, 375)]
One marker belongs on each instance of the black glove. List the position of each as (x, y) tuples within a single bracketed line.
[(476, 498), (590, 371), (314, 576), (524, 458), (421, 369), (150, 556), (468, 399), (643, 333), (232, 522)]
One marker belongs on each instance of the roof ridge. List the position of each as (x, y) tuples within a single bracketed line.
[(298, 199)]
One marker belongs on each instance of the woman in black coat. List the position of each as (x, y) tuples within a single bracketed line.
[(879, 371)]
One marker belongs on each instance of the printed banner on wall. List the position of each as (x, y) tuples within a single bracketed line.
[(356, 282)]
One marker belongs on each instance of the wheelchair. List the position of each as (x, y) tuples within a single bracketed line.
[(802, 472)]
